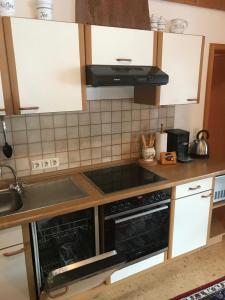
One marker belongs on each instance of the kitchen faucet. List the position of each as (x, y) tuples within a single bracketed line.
[(17, 186)]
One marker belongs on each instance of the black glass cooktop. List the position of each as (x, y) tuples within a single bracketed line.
[(123, 177)]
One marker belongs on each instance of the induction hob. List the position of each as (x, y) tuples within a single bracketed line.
[(118, 178)]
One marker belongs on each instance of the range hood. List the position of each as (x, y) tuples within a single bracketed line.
[(121, 75)]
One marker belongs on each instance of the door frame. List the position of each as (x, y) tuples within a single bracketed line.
[(212, 50)]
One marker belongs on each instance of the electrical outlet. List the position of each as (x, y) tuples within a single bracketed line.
[(46, 163)]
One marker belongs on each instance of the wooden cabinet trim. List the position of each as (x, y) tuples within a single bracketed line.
[(82, 65), (88, 44), (4, 69), (12, 64), (200, 70)]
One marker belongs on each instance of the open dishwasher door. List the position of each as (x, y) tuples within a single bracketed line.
[(65, 251)]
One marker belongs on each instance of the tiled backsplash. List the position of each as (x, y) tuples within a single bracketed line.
[(109, 130)]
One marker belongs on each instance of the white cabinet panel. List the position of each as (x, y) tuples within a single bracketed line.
[(13, 278), (193, 187), (47, 61), (10, 237), (137, 267), (181, 60), (191, 217), (108, 44)]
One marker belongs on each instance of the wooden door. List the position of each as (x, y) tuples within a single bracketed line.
[(180, 56), (46, 61), (214, 119), (116, 46), (191, 219)]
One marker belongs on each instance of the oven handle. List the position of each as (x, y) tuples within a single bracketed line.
[(141, 214)]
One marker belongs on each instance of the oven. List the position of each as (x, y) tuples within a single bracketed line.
[(137, 227)]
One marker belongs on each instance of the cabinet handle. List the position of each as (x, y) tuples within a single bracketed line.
[(194, 188), (124, 59), (192, 100), (60, 294), (2, 109), (207, 196), (13, 253), (29, 108)]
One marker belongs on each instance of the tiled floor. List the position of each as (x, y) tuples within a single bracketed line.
[(166, 281)]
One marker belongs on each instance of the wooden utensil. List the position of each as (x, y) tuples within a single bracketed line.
[(143, 141)]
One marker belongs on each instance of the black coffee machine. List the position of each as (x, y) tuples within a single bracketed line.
[(178, 141)]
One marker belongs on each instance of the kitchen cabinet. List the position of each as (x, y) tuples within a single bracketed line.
[(191, 219), (116, 46), (13, 276), (46, 63), (180, 56)]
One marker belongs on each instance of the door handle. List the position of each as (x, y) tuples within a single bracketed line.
[(192, 100), (141, 214), (207, 196), (194, 188), (59, 294), (124, 59), (30, 108), (13, 253)]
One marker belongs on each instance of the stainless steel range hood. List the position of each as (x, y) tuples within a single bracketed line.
[(121, 75)]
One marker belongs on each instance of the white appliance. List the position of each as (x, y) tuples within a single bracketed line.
[(219, 193)]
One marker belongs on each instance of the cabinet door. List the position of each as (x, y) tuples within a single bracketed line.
[(116, 46), (191, 218), (180, 57), (13, 278), (46, 62)]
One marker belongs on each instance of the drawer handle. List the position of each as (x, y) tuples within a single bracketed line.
[(29, 108), (192, 100), (124, 59), (194, 188), (13, 253), (207, 196), (2, 109), (60, 294)]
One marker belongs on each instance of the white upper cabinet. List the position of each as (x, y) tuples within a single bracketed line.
[(116, 46), (46, 63), (181, 58)]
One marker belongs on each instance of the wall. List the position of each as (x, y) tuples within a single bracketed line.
[(109, 130), (203, 21)]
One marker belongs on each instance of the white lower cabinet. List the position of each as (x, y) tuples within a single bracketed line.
[(13, 277), (137, 267), (191, 218)]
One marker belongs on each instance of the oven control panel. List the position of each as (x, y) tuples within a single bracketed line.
[(136, 202)]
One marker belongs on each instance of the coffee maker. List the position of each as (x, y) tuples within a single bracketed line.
[(178, 141)]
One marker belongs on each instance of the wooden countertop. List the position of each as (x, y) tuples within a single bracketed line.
[(175, 175)]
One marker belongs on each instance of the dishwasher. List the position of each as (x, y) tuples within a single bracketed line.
[(66, 250)]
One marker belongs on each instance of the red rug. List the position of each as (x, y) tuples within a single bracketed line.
[(214, 290)]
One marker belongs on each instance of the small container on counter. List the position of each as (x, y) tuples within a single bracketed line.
[(7, 7), (178, 26), (44, 9), (148, 150), (161, 24)]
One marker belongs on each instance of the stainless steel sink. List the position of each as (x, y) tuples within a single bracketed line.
[(53, 192), (10, 201)]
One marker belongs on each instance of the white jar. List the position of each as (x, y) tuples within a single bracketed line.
[(7, 7), (178, 25), (44, 9), (161, 24), (148, 154), (154, 22)]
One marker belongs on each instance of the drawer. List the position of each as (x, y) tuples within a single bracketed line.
[(193, 187), (10, 237)]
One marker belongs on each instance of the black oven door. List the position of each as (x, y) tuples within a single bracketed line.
[(139, 234)]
